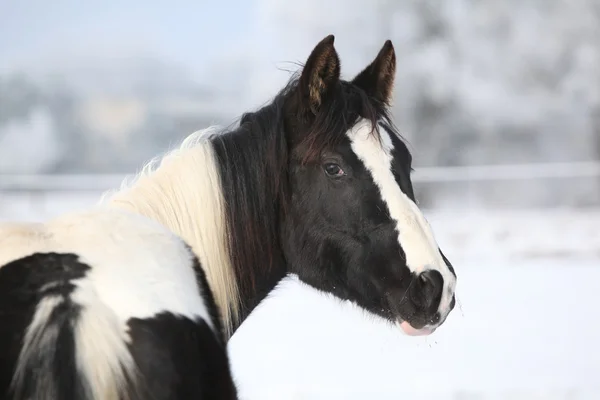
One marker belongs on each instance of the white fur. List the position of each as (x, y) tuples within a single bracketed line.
[(139, 268), (38, 338), (415, 234), (101, 346), (182, 191)]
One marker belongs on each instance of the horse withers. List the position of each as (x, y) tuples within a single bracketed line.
[(136, 297)]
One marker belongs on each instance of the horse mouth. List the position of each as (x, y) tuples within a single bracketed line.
[(409, 330)]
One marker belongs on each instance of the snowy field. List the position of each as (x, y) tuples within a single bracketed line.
[(527, 325)]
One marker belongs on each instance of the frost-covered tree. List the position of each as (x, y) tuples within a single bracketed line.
[(478, 82)]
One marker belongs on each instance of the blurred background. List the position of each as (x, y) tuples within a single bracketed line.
[(498, 99)]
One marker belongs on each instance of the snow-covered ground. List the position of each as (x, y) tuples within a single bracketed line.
[(527, 327), (523, 331)]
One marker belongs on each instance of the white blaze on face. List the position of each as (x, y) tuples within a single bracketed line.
[(415, 235)]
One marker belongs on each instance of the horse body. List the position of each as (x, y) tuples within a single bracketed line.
[(117, 295), (136, 297)]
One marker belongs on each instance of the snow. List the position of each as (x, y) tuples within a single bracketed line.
[(521, 330), (526, 326)]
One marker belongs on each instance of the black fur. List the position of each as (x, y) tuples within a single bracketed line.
[(285, 214), (207, 296), (180, 359), (24, 283)]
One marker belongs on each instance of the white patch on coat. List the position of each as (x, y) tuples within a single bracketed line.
[(39, 344), (101, 352), (138, 267), (415, 235)]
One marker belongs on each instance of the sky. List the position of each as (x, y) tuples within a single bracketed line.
[(183, 31), (39, 35)]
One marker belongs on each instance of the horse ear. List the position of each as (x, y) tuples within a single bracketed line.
[(378, 78), (320, 74)]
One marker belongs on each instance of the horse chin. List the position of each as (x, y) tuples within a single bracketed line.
[(409, 330)]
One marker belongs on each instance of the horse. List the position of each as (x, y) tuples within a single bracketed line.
[(136, 296)]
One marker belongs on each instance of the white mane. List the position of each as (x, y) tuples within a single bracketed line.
[(182, 191)]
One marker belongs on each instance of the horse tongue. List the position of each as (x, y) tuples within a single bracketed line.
[(409, 330)]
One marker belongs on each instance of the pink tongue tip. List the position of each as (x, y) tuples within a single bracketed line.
[(409, 330)]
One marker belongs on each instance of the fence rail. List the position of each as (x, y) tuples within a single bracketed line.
[(100, 182)]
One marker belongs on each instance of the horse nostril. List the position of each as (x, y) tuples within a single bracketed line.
[(432, 285)]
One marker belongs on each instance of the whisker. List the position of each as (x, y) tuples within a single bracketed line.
[(459, 304), (407, 289)]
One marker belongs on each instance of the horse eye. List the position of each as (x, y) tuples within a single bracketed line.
[(333, 170)]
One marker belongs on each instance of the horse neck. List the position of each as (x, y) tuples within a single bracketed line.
[(253, 168), (221, 195), (184, 194)]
